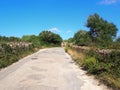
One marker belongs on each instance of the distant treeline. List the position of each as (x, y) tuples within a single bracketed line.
[(9, 39), (46, 38)]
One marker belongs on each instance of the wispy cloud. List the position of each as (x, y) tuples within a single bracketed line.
[(54, 29), (69, 31), (108, 2)]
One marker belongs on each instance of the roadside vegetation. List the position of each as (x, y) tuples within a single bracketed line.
[(98, 50), (9, 55), (13, 48)]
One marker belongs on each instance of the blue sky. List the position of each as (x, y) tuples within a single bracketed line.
[(65, 17)]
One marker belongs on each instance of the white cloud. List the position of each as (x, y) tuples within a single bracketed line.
[(54, 29), (69, 31), (108, 2)]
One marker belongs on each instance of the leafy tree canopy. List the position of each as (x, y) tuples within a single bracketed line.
[(82, 38), (71, 40), (50, 37), (101, 31)]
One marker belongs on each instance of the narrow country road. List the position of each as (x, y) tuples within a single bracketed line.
[(48, 69)]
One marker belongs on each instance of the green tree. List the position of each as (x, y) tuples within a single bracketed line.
[(49, 37), (82, 38), (70, 40), (101, 31), (56, 39)]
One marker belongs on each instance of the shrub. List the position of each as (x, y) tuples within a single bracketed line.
[(89, 62), (114, 59)]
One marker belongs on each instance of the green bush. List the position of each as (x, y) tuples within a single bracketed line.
[(114, 59), (89, 63), (66, 49), (82, 38), (95, 67)]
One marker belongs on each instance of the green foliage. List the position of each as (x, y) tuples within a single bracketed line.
[(89, 63), (66, 49), (13, 48), (48, 37), (101, 36), (7, 48), (70, 40), (82, 38), (98, 63), (94, 66), (101, 31), (10, 55), (105, 66), (15, 39), (35, 40), (114, 59), (9, 39), (26, 38)]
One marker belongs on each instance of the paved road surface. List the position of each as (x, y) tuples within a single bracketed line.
[(48, 69)]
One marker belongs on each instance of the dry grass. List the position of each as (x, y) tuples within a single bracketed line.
[(78, 57), (110, 81)]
